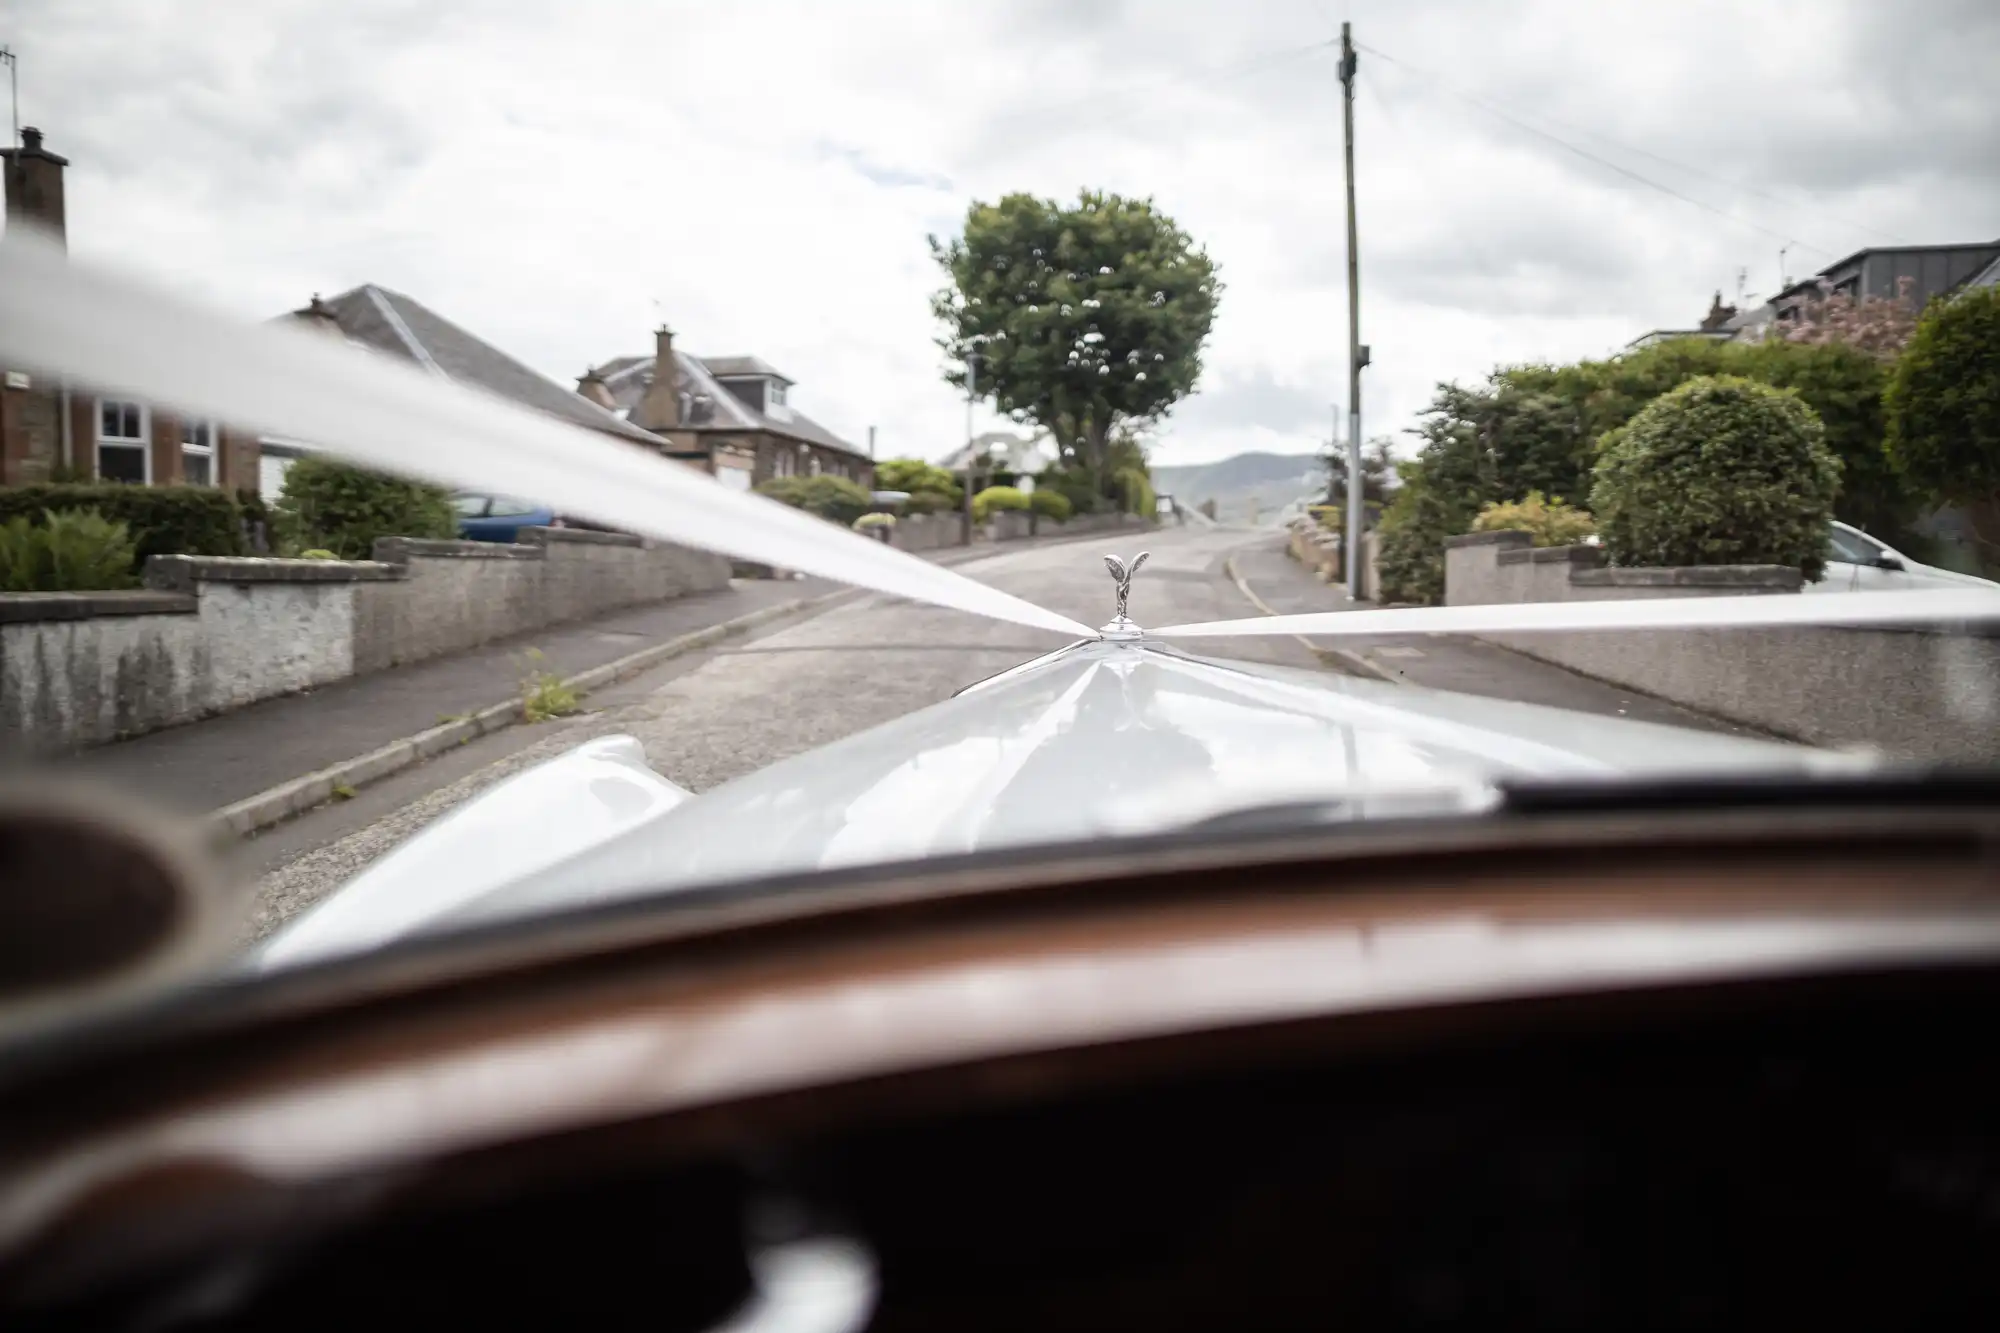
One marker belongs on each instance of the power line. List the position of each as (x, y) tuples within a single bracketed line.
[(1662, 159), (1607, 163), (1196, 78)]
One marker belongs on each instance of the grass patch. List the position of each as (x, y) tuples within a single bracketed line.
[(543, 693)]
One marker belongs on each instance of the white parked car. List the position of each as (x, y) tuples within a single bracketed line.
[(1857, 562)]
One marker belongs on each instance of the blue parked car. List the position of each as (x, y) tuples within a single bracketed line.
[(499, 518)]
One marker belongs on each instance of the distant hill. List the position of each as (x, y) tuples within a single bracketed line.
[(1246, 488)]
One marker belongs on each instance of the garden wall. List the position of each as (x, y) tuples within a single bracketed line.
[(1927, 694), (214, 633)]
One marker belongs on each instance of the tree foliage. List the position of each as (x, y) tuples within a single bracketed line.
[(1841, 381), (1082, 317), (343, 509), (1378, 473), (1723, 470), (1943, 407)]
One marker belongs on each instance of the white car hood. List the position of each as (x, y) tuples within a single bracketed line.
[(1099, 740)]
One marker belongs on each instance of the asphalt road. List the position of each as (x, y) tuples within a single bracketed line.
[(708, 719)]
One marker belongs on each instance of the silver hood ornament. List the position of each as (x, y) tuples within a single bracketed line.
[(1121, 626)]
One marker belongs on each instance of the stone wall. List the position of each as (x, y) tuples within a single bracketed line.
[(1914, 693), (212, 633)]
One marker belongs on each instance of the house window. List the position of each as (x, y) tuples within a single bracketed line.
[(774, 401), (123, 451), (198, 453)]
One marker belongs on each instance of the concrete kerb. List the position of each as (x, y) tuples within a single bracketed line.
[(1353, 663), (298, 795)]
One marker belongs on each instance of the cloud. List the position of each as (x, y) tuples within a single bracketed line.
[(763, 175)]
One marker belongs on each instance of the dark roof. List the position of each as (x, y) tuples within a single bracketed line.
[(741, 368), (396, 325), (711, 407)]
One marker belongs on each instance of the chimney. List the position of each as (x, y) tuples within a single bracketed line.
[(35, 186), (660, 409), (1718, 314), (593, 387), (318, 317)]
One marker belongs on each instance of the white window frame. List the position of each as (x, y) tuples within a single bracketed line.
[(143, 441), (200, 427)]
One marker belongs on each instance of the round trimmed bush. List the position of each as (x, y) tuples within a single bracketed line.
[(995, 498), (1720, 471), (1052, 505)]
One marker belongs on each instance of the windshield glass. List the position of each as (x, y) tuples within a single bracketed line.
[(1494, 444)]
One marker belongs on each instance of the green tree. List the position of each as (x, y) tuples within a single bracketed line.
[(1443, 490), (1943, 405), (1378, 474), (343, 509), (1721, 471), (1083, 317)]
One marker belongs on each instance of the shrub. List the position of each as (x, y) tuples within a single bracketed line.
[(1410, 558), (343, 509), (1719, 471), (1074, 485), (867, 521), (68, 551), (923, 481), (1052, 505), (318, 553), (256, 521), (1328, 517), (1943, 405), (1549, 522), (162, 520), (835, 499), (1135, 492), (997, 497)]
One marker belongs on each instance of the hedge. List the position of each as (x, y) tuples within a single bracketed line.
[(997, 497), (163, 520), (835, 499), (332, 506), (1720, 471)]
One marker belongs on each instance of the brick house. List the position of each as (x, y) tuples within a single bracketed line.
[(49, 428), (729, 415)]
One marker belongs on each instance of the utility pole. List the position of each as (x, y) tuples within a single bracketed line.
[(971, 379), (871, 444), (1357, 355), (1333, 460), (13, 64)]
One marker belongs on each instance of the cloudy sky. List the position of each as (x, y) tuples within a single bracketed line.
[(763, 173)]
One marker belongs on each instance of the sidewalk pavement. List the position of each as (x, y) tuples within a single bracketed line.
[(207, 765), (1453, 662), (278, 757)]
